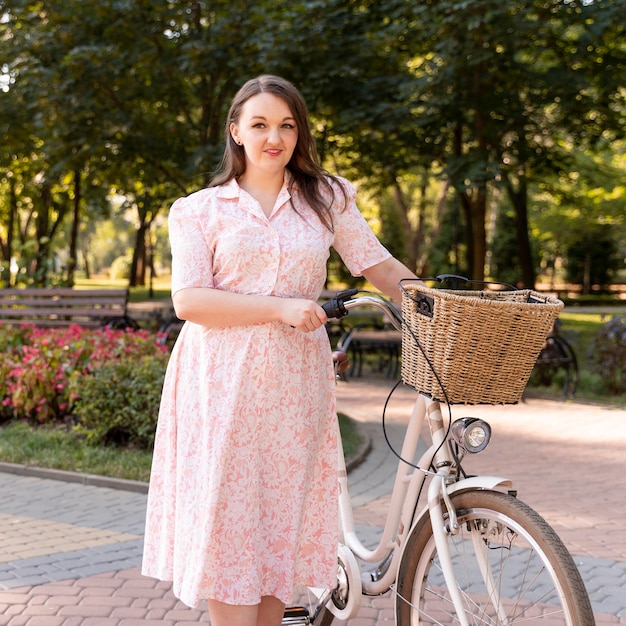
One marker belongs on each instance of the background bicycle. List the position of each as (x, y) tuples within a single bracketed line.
[(557, 359)]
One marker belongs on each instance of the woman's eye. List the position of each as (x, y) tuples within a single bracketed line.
[(289, 126)]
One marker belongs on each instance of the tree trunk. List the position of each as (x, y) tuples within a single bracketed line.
[(474, 206), (475, 209), (87, 265), (138, 265), (38, 271), (7, 250), (422, 261), (411, 240), (73, 247), (519, 199), (587, 274)]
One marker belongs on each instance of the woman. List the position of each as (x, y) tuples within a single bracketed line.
[(243, 493)]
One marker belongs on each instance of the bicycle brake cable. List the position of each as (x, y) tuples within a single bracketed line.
[(388, 441), (389, 444)]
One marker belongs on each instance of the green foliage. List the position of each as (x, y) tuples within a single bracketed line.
[(393, 232), (125, 97), (38, 365), (126, 101), (583, 200), (607, 355), (120, 268), (594, 258), (118, 403)]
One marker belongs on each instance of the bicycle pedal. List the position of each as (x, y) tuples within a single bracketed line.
[(296, 616)]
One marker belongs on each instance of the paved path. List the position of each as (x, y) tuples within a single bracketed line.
[(70, 551)]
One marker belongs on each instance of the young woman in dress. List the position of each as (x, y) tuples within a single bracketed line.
[(243, 493)]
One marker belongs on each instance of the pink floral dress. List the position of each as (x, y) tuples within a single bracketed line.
[(243, 491)]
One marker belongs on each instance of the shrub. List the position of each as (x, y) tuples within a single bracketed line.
[(607, 354), (118, 402), (38, 363), (120, 268)]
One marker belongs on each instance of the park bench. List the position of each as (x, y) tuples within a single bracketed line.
[(168, 332), (380, 345), (64, 306)]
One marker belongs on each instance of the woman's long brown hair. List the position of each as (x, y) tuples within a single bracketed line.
[(308, 179)]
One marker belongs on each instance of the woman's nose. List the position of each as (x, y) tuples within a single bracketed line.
[(273, 136)]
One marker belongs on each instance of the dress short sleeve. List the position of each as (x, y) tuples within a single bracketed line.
[(192, 258), (353, 239)]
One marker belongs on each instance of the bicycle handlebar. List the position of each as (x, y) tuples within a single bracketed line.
[(344, 300)]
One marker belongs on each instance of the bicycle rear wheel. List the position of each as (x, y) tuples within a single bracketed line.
[(510, 566)]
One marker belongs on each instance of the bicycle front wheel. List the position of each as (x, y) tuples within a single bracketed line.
[(510, 567)]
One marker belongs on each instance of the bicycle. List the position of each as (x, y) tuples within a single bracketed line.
[(472, 553), (557, 354)]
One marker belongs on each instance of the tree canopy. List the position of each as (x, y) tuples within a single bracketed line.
[(436, 108)]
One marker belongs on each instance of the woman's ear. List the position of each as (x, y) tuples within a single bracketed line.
[(233, 133)]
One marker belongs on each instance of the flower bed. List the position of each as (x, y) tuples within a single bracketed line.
[(41, 367)]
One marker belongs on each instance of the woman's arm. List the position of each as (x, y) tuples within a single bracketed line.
[(213, 307), (385, 277)]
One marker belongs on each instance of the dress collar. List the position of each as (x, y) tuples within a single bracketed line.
[(232, 190)]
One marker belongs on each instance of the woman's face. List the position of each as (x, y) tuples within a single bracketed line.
[(268, 133)]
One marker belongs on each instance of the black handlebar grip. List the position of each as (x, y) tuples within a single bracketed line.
[(330, 308), (335, 307)]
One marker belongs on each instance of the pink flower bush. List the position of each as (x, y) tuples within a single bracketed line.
[(39, 363)]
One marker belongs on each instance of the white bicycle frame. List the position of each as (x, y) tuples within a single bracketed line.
[(401, 517)]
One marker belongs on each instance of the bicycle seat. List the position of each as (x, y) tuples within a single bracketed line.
[(341, 361)]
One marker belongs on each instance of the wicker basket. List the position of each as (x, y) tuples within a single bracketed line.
[(480, 346)]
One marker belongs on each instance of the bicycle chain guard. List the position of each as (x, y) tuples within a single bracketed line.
[(346, 598)]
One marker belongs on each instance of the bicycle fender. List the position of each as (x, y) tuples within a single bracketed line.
[(480, 482), (474, 483)]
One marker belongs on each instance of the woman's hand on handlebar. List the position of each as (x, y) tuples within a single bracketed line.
[(305, 315)]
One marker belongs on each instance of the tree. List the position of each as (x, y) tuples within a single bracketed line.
[(429, 106), (580, 212), (501, 84), (128, 94), (593, 260)]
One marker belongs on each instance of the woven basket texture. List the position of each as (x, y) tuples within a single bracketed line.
[(482, 345)]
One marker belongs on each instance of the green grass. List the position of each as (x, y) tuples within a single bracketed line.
[(59, 448), (161, 287), (351, 436)]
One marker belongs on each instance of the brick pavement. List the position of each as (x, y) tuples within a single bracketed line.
[(70, 551)]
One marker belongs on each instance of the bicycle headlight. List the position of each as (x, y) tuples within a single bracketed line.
[(471, 433)]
